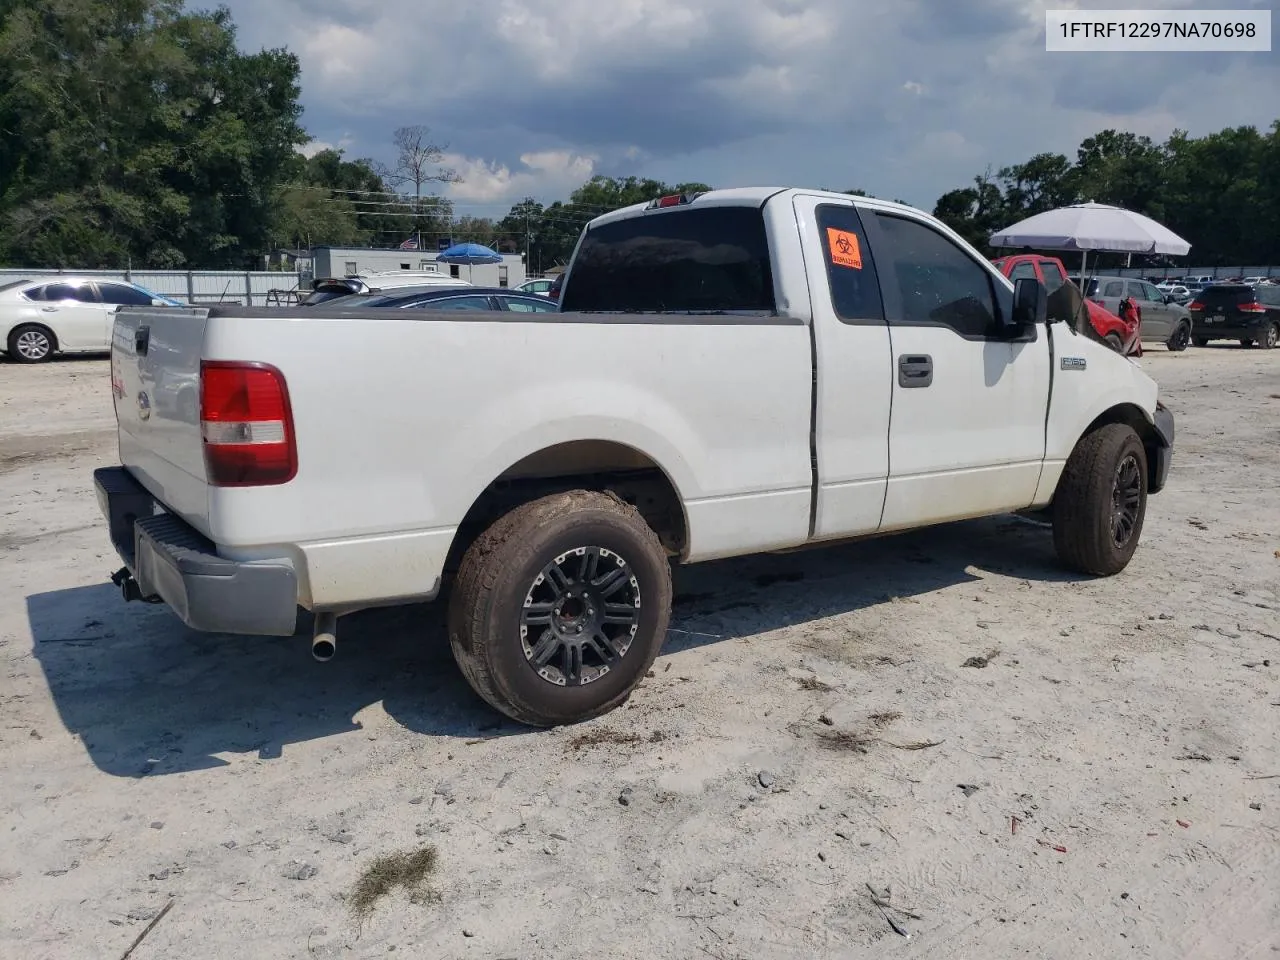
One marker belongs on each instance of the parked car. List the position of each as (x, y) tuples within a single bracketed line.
[(42, 318), (1254, 281), (1237, 311), (1177, 291), (556, 286), (450, 298), (1163, 318), (323, 291), (743, 371), (539, 285), (1121, 335)]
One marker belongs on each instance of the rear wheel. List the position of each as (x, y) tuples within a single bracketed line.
[(1101, 501), (1270, 337), (560, 608), (31, 343), (1181, 337)]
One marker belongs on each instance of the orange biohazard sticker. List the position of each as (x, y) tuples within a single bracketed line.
[(845, 251)]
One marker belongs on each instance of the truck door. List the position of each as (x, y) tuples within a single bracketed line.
[(967, 431), (853, 385)]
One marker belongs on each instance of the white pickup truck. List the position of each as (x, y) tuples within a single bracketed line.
[(734, 372)]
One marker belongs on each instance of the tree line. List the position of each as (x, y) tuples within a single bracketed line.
[(1221, 192), (136, 132)]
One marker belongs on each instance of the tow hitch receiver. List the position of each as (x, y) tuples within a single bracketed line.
[(129, 588)]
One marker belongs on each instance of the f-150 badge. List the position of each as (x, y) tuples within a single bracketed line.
[(1074, 363)]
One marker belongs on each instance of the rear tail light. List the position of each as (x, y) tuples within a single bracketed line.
[(1253, 307), (247, 425), (1195, 305)]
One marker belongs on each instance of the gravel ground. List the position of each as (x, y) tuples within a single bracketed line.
[(1015, 760)]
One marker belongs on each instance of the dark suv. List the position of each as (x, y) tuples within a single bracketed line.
[(1237, 311)]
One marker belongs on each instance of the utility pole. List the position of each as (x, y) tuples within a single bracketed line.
[(526, 236)]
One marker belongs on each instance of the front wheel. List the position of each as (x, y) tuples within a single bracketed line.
[(1101, 501), (1181, 337), (1270, 337), (560, 608)]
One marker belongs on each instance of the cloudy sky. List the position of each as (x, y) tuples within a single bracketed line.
[(903, 98)]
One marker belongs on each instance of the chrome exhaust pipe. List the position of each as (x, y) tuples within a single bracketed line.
[(324, 641)]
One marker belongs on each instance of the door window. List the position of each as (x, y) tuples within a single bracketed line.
[(1053, 277), (1114, 289), (938, 282), (1149, 292), (82, 293), (526, 306), (1023, 271), (124, 295), (455, 303), (851, 273)]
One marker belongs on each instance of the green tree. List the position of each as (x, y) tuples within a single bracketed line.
[(158, 141)]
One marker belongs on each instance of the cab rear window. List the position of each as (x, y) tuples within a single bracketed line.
[(708, 260)]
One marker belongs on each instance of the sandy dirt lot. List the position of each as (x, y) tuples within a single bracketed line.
[(1107, 785)]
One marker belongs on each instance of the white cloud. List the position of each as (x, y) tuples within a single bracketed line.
[(310, 149), (547, 173), (534, 96)]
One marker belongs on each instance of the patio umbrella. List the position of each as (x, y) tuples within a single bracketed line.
[(470, 254), (1092, 226)]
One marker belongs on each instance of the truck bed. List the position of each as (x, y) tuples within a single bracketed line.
[(403, 418)]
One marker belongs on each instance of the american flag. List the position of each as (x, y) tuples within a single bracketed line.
[(410, 244)]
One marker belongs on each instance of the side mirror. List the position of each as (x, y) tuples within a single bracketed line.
[(1030, 305)]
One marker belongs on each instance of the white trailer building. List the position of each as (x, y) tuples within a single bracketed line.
[(350, 261)]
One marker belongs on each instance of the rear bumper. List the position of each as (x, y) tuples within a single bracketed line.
[(171, 560), (1164, 449), (1229, 331)]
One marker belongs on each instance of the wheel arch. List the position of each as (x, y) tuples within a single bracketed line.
[(606, 466), (1131, 415)]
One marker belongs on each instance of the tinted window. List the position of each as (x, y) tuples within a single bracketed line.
[(1114, 288), (1270, 295), (65, 291), (1225, 296), (1053, 277), (453, 303), (124, 295), (938, 282), (1023, 271), (526, 306), (851, 273), (709, 259)]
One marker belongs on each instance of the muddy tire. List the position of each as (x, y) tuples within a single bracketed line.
[(560, 608), (31, 343), (1101, 501)]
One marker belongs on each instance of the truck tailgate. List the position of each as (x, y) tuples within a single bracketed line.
[(155, 384)]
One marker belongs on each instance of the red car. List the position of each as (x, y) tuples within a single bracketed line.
[(1121, 334)]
